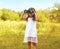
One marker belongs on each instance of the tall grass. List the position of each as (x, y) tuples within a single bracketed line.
[(12, 35)]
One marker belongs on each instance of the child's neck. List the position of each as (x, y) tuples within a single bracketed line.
[(30, 17)]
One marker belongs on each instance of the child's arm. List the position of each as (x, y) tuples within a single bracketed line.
[(36, 17), (21, 18)]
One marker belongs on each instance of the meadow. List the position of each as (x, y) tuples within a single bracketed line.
[(12, 35)]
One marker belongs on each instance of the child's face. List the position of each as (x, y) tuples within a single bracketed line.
[(31, 14)]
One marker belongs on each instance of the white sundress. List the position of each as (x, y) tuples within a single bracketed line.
[(30, 32)]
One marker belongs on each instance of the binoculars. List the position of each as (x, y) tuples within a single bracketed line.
[(28, 11)]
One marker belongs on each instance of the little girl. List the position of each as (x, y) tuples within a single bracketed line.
[(30, 32)]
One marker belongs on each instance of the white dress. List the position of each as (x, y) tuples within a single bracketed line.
[(30, 32)]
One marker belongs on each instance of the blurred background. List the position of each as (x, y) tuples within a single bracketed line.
[(12, 29)]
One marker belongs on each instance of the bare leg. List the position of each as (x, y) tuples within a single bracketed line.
[(29, 45), (35, 46)]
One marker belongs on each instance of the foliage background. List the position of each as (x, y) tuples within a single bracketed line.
[(12, 29)]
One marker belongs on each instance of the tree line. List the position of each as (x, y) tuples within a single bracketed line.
[(46, 15)]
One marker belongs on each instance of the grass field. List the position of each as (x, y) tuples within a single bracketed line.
[(12, 35)]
